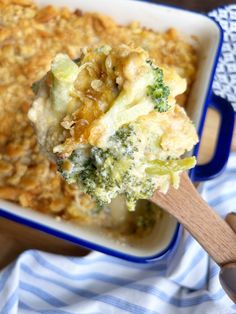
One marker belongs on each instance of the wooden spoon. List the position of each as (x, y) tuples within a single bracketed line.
[(207, 227)]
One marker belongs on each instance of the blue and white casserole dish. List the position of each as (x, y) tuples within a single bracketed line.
[(161, 244)]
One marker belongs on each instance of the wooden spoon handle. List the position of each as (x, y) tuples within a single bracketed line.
[(211, 231)]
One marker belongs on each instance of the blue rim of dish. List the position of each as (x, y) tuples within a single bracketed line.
[(85, 243), (177, 233)]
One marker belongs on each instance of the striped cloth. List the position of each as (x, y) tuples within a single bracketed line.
[(98, 284)]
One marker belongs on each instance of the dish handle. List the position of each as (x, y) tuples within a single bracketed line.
[(223, 144)]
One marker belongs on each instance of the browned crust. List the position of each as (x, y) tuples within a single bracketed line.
[(29, 38)]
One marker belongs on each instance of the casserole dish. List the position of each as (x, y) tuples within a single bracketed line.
[(164, 237)]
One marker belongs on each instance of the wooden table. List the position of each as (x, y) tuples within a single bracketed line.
[(15, 238), (196, 5)]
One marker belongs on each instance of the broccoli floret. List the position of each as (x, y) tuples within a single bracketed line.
[(123, 141), (158, 91), (98, 177), (103, 175), (102, 171), (70, 167), (138, 97), (137, 189), (106, 173)]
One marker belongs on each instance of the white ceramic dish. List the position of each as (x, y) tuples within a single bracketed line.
[(164, 237)]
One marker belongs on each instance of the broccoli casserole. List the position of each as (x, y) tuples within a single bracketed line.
[(30, 37), (111, 122)]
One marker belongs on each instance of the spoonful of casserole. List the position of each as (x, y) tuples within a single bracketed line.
[(110, 122)]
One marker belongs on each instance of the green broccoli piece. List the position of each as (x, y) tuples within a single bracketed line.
[(100, 178), (158, 91), (106, 173), (105, 176), (137, 189), (123, 141), (141, 96)]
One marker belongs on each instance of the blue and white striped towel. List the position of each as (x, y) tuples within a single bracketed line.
[(97, 284)]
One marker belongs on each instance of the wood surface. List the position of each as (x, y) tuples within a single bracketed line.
[(15, 238), (206, 226), (209, 136), (196, 5)]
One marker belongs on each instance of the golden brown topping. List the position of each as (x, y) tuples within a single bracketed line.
[(10, 193), (5, 167), (29, 38), (46, 14), (14, 150)]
